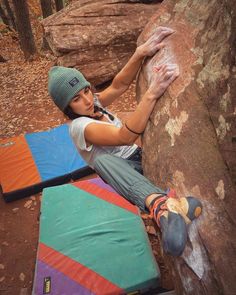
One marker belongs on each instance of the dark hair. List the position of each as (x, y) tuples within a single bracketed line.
[(70, 114)]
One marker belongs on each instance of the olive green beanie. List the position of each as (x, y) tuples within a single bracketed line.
[(64, 83)]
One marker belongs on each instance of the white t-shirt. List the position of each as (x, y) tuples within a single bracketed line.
[(89, 153)]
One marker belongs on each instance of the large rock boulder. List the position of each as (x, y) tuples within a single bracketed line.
[(189, 142), (98, 36)]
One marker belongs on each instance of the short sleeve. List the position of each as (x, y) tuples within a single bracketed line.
[(76, 130)]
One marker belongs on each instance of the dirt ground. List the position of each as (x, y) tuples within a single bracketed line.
[(26, 107)]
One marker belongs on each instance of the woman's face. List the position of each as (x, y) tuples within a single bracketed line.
[(82, 103)]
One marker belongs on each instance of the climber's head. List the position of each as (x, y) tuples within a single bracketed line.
[(65, 85)]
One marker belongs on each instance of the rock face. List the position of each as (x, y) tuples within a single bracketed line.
[(97, 37), (189, 143)]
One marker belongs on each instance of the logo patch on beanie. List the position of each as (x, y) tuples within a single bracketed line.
[(74, 81)]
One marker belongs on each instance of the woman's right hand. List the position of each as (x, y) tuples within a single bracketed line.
[(162, 77)]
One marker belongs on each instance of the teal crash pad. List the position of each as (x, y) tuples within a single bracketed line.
[(92, 241)]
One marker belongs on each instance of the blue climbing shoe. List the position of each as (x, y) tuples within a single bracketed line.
[(171, 215)]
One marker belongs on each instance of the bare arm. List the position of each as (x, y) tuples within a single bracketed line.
[(124, 78), (104, 134)]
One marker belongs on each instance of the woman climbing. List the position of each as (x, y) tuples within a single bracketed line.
[(108, 146)]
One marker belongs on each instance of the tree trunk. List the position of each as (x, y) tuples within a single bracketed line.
[(46, 7), (191, 127), (24, 28), (10, 14), (59, 4), (4, 16)]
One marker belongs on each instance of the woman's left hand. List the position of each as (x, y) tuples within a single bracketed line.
[(154, 43)]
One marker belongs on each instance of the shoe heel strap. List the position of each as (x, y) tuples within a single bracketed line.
[(157, 204)]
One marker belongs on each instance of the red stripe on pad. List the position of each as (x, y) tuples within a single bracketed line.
[(77, 272), (106, 195)]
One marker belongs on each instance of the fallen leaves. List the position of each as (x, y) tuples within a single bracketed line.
[(28, 204), (151, 230), (22, 276), (15, 210), (2, 279)]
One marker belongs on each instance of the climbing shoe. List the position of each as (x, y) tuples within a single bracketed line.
[(171, 215), (188, 207)]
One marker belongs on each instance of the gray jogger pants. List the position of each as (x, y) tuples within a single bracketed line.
[(122, 176)]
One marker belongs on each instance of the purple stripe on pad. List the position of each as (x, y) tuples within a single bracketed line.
[(98, 181), (59, 284)]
